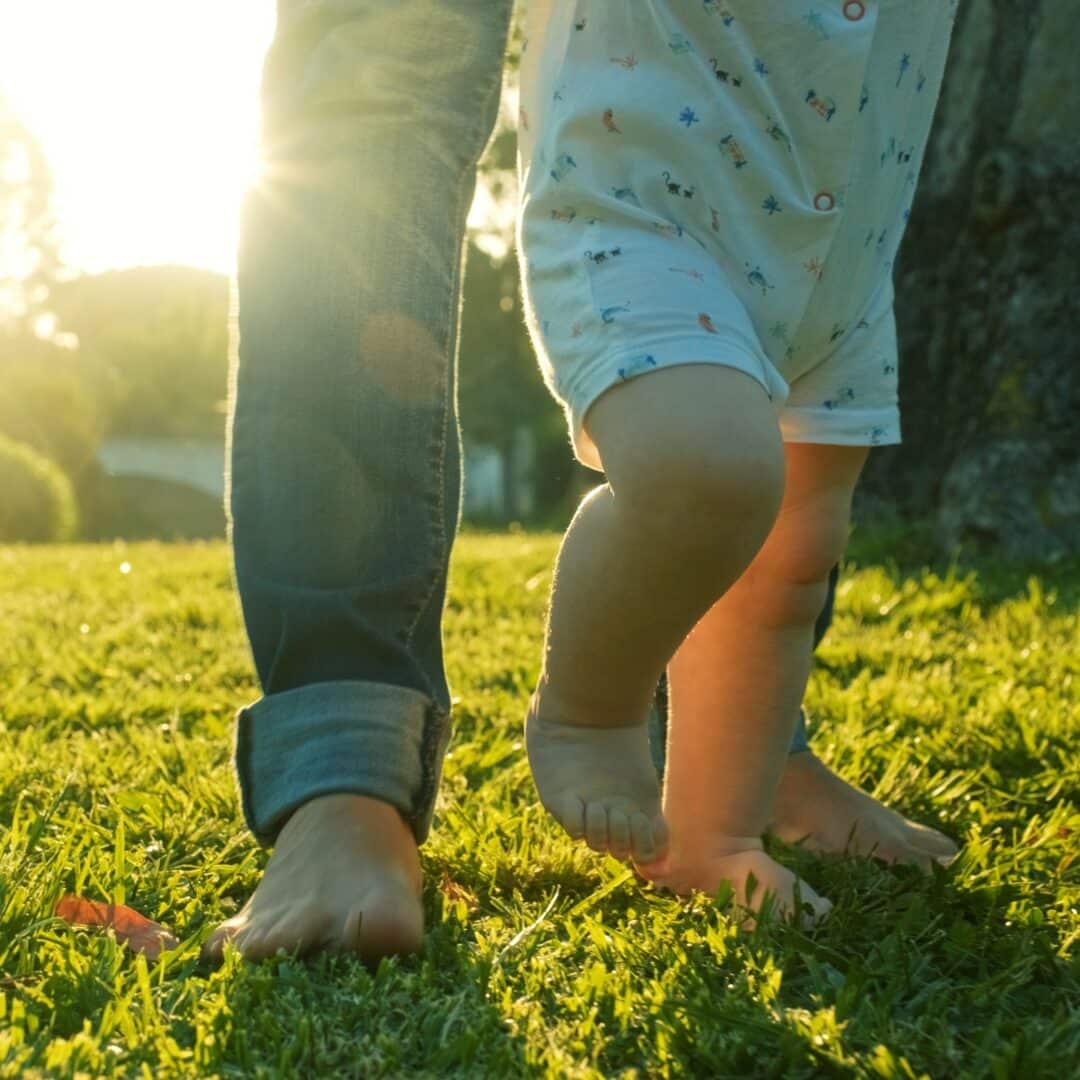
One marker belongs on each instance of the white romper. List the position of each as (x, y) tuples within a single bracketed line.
[(725, 182)]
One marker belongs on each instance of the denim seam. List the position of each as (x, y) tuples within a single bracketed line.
[(449, 319), (437, 719), (242, 754)]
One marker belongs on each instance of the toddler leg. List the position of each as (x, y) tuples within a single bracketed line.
[(694, 465), (738, 679)]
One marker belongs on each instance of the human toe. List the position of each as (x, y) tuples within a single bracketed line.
[(255, 943), (386, 926), (648, 843), (214, 946), (596, 826), (569, 812), (915, 848), (213, 949), (810, 907), (936, 843), (619, 834)]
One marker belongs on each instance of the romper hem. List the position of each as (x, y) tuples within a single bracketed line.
[(841, 427), (585, 389)]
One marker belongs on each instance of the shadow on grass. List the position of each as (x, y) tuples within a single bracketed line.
[(947, 975), (935, 974), (330, 1015), (907, 549)]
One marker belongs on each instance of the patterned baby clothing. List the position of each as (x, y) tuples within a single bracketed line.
[(728, 182)]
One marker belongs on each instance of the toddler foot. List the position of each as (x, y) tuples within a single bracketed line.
[(344, 874), (597, 782), (816, 808), (741, 863)]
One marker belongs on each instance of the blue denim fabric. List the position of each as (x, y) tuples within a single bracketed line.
[(345, 479), (658, 715)]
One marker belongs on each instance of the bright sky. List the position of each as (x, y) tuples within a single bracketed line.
[(147, 111)]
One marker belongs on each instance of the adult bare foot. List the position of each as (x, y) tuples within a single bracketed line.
[(344, 875), (816, 808)]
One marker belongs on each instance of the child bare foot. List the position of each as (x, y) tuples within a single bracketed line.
[(344, 874), (741, 863), (816, 808), (597, 782)]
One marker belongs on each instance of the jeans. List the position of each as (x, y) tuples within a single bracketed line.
[(345, 452), (344, 486)]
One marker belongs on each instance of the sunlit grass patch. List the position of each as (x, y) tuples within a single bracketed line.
[(950, 692)]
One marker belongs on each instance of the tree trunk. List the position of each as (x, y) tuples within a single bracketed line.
[(988, 294)]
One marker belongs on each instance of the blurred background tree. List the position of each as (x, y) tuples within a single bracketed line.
[(50, 425), (988, 310), (154, 347), (988, 296), (91, 357), (29, 246)]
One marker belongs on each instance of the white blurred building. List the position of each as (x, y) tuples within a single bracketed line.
[(498, 486)]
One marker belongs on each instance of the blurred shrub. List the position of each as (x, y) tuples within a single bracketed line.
[(153, 347), (36, 498), (48, 408), (146, 508)]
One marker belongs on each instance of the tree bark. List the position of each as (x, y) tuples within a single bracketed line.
[(988, 294)]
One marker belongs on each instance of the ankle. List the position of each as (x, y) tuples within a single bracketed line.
[(350, 809), (688, 854), (734, 845), (561, 705)]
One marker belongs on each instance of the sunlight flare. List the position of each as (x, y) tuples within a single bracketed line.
[(147, 112)]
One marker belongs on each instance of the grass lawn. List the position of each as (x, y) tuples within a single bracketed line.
[(952, 694)]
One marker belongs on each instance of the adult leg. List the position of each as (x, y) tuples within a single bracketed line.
[(345, 482)]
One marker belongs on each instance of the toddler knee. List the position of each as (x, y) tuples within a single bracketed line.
[(703, 492), (789, 579), (790, 603)]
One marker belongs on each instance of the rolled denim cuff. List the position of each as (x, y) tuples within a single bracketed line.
[(366, 738), (800, 741)]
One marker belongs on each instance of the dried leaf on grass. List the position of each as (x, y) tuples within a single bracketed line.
[(139, 933), (454, 890)]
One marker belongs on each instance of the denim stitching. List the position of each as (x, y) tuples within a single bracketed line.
[(436, 719), (450, 312)]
